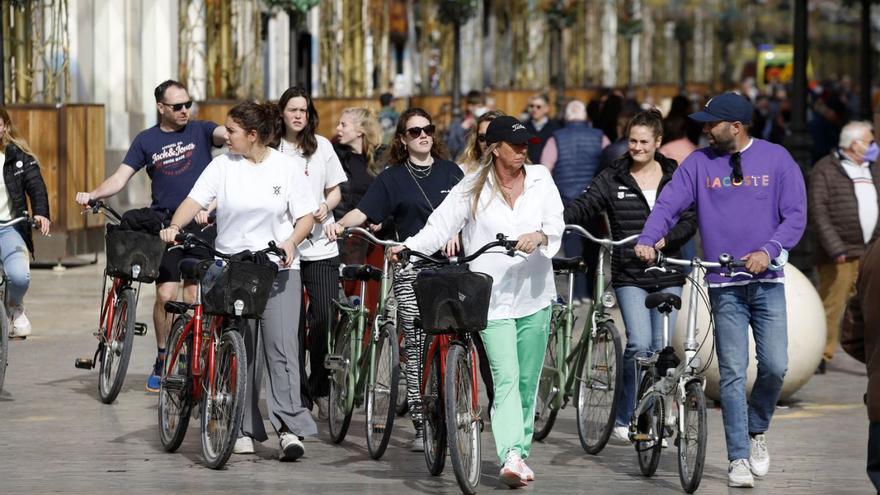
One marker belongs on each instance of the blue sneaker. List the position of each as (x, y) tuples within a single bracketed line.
[(154, 381)]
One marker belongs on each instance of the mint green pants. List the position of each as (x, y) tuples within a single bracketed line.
[(516, 355)]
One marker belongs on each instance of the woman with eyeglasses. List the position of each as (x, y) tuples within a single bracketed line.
[(418, 178), (319, 259), (626, 191), (474, 150)]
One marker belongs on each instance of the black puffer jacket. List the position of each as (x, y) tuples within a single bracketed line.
[(21, 173), (616, 192)]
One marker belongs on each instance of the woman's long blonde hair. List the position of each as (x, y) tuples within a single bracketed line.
[(11, 134), (487, 166), (369, 126), (470, 156)]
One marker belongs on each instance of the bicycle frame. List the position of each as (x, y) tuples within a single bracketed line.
[(439, 347)]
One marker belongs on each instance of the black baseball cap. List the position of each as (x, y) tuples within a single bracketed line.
[(511, 130), (726, 107)]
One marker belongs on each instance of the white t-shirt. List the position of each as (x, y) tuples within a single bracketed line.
[(255, 203), (650, 197), (866, 195), (323, 170), (5, 200)]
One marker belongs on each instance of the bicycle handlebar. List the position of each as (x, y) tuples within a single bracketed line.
[(501, 241), (603, 242), (350, 231), (23, 218), (189, 240), (724, 261), (95, 205)]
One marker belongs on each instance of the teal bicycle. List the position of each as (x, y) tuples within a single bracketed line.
[(364, 359)]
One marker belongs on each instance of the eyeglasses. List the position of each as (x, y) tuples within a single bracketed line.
[(415, 132), (481, 138), (536, 106), (736, 163), (178, 106)]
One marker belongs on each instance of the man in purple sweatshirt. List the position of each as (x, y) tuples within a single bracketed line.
[(751, 202)]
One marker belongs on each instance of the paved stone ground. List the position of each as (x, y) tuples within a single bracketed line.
[(57, 437)]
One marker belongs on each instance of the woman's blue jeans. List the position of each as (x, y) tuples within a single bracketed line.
[(644, 332), (16, 262)]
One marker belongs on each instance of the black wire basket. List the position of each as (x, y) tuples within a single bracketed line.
[(127, 248), (452, 300), (245, 281)]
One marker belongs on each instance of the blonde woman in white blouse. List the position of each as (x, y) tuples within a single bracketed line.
[(521, 201)]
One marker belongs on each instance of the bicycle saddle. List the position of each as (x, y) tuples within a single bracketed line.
[(363, 273), (665, 302), (575, 263), (193, 268)]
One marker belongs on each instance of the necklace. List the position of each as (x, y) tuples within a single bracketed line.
[(260, 159), (419, 171), (413, 175), (292, 149)]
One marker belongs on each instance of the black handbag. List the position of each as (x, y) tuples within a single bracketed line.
[(453, 299)]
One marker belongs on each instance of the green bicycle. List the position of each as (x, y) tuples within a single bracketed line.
[(364, 359), (589, 371)]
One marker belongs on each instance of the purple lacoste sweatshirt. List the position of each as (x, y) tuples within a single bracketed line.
[(767, 211)]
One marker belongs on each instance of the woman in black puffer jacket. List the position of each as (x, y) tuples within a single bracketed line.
[(22, 181), (626, 191)]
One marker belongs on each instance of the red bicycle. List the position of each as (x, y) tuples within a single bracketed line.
[(131, 257), (206, 361), (449, 387)]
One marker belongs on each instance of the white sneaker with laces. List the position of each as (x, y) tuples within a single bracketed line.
[(759, 457), (21, 325), (526, 471), (511, 473), (739, 475), (292, 447), (243, 445), (620, 434)]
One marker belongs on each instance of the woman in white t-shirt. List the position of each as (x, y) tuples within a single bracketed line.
[(319, 265), (260, 198)]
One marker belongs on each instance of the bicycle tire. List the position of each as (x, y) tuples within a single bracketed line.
[(4, 344), (650, 422), (462, 419), (599, 393), (116, 352), (223, 400), (175, 407), (548, 387), (692, 441), (381, 396), (340, 402), (433, 423), (402, 397)]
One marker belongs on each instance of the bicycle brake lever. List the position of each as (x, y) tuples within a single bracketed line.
[(738, 274), (656, 268)]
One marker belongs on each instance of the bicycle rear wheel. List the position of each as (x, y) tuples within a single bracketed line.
[(223, 402), (548, 388), (599, 388), (462, 418), (4, 344), (116, 349), (382, 394), (649, 424), (340, 400), (692, 440), (175, 391), (434, 424)]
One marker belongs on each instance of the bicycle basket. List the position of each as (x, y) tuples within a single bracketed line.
[(452, 300), (244, 281), (126, 248)]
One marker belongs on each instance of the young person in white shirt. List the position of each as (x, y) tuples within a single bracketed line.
[(260, 198), (319, 263), (522, 202)]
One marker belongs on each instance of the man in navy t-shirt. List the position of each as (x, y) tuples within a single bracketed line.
[(174, 153)]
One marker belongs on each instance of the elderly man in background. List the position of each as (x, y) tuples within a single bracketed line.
[(844, 189)]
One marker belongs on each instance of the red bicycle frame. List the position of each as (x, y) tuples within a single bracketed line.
[(208, 337), (109, 311)]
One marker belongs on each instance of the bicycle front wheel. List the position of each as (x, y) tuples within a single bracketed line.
[(382, 393), (649, 428), (548, 389), (4, 344), (692, 440), (462, 418), (434, 425), (341, 387), (116, 349), (223, 402), (175, 392), (599, 387)]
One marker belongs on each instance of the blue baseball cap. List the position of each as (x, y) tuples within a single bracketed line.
[(726, 107)]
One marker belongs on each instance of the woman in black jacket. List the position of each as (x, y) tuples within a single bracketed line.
[(22, 181), (626, 191)]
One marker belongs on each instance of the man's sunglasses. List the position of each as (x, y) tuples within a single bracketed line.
[(179, 106), (415, 132)]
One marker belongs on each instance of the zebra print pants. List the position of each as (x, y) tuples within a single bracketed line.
[(414, 338)]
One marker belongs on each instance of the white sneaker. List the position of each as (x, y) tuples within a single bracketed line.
[(21, 326), (511, 473), (292, 447), (418, 442), (759, 458), (620, 434), (243, 445), (526, 471), (739, 475)]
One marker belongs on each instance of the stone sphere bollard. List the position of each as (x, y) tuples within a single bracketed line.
[(806, 336)]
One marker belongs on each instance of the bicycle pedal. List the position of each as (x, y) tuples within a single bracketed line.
[(140, 328), (84, 363), (335, 362), (378, 428), (640, 437), (174, 383)]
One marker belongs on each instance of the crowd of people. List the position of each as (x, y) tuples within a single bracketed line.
[(716, 168)]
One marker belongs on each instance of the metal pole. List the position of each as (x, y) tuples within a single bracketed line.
[(456, 71), (865, 93)]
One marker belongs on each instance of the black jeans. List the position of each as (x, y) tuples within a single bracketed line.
[(874, 454), (320, 280)]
